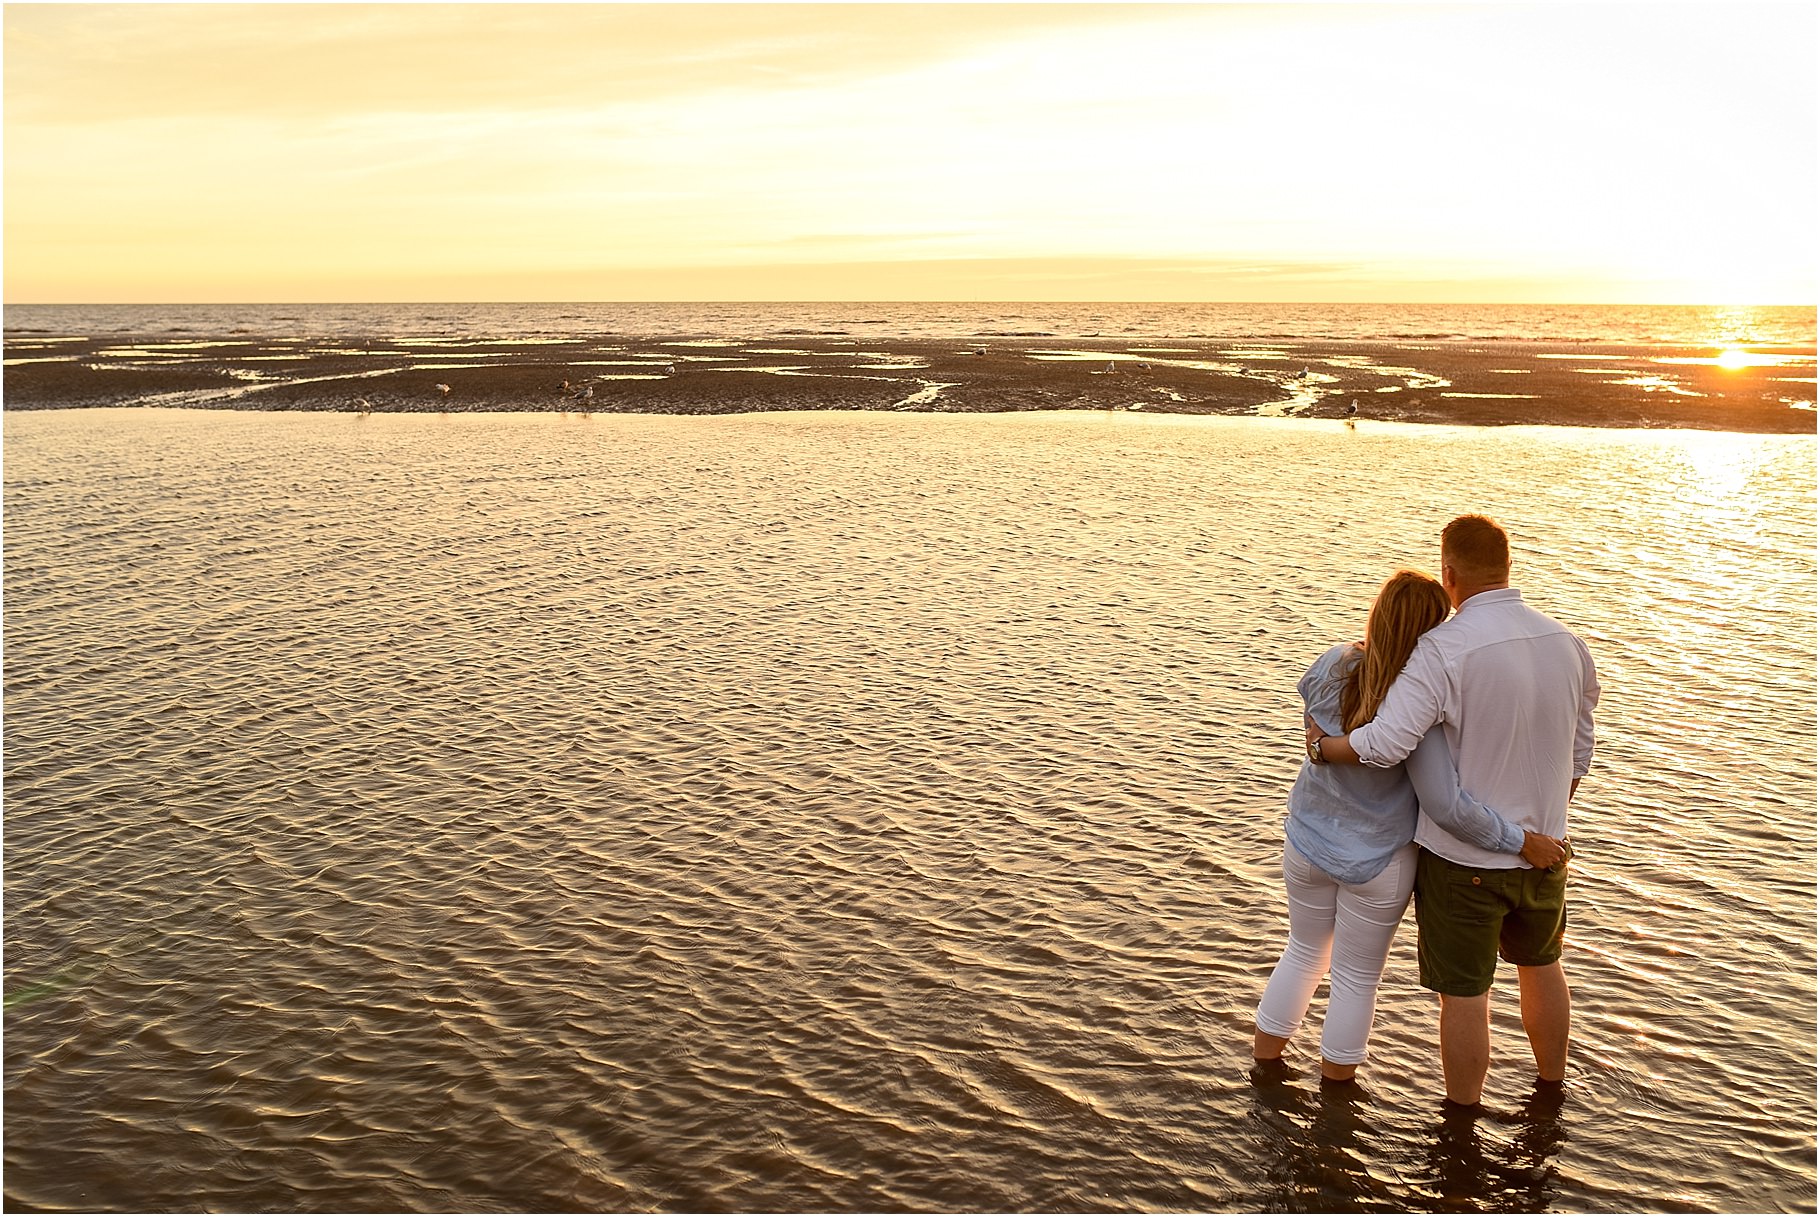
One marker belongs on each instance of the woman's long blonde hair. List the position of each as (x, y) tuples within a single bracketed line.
[(1408, 605)]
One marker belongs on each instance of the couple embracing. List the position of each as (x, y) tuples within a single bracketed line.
[(1441, 758)]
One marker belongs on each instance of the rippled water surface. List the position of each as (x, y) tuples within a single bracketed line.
[(846, 812), (533, 323)]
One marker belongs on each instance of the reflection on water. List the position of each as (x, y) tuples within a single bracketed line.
[(1475, 1169), (1316, 1143), (846, 812), (1736, 324), (1732, 357), (1724, 478), (1328, 1148)]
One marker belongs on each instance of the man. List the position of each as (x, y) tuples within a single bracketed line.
[(1514, 691)]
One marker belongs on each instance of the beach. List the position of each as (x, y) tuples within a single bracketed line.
[(1469, 381), (681, 608)]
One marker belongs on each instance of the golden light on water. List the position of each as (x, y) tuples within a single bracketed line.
[(1721, 467), (1711, 477), (1735, 358), (1736, 330)]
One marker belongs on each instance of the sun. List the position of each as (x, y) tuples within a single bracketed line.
[(1731, 359)]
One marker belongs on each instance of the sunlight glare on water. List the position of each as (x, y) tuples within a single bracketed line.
[(847, 812)]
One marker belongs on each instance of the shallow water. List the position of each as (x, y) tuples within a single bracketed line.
[(846, 812)]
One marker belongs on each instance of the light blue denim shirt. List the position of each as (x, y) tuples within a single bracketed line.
[(1349, 819)]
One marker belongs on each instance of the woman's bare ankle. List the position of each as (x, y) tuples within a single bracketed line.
[(1268, 1047)]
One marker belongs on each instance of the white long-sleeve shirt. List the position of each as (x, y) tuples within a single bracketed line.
[(1514, 691)]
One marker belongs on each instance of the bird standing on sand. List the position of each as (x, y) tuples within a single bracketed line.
[(444, 390), (363, 405)]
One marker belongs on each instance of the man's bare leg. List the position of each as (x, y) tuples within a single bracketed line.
[(1547, 1015), (1465, 1045)]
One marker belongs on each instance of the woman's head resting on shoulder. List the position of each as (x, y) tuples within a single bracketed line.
[(1408, 605)]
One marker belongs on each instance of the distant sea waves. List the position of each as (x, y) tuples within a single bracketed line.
[(1676, 325)]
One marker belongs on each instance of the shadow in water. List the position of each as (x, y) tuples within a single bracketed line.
[(1325, 1152), (1319, 1144), (1496, 1162)]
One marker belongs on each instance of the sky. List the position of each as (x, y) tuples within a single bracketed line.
[(1571, 153)]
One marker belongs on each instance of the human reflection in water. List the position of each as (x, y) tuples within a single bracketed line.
[(1498, 1163), (1319, 1141), (1324, 1151)]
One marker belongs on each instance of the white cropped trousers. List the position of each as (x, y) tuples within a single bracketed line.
[(1350, 926)]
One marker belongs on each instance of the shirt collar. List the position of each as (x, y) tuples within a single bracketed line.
[(1495, 596)]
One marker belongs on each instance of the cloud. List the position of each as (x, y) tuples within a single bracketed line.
[(88, 63), (460, 143)]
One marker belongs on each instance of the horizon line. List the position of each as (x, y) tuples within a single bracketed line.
[(911, 300)]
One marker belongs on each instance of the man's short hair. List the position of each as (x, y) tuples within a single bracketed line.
[(1477, 549)]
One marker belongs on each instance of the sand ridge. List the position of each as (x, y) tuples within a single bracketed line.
[(1473, 383)]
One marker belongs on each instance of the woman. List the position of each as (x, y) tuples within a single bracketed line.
[(1349, 861)]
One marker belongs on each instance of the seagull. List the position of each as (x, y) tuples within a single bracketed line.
[(1354, 407), (585, 393), (364, 406)]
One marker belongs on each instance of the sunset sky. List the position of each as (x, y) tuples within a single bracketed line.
[(1308, 152)]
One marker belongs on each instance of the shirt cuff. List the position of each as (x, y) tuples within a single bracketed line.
[(1359, 738)]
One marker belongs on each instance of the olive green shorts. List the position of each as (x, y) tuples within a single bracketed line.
[(1466, 918)]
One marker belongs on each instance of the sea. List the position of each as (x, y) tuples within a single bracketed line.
[(851, 811), (1670, 325)]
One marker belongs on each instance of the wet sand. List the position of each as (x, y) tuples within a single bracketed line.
[(1478, 383)]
